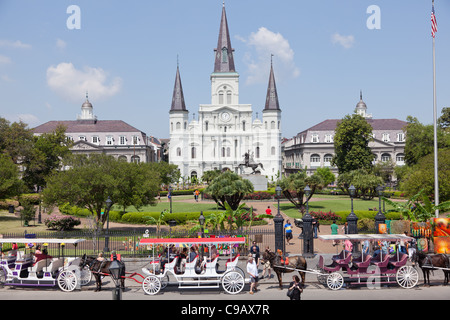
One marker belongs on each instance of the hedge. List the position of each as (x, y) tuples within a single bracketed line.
[(179, 217), (365, 214)]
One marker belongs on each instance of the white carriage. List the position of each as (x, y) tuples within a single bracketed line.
[(24, 269), (188, 274)]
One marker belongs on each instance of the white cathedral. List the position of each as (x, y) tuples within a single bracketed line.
[(225, 130)]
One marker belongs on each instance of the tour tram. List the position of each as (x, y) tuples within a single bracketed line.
[(195, 273), (27, 269)]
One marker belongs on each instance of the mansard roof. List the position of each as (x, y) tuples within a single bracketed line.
[(87, 126), (377, 124)]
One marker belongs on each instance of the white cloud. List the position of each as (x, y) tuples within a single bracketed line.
[(4, 60), (30, 119), (346, 41), (14, 44), (72, 84), (262, 44), (61, 44)]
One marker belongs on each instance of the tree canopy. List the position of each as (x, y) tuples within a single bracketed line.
[(91, 180), (229, 187), (293, 187), (351, 143)]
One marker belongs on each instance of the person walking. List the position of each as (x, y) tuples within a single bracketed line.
[(288, 231), (296, 288), (266, 266), (334, 230), (252, 270)]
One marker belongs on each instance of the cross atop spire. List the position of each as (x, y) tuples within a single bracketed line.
[(224, 60)]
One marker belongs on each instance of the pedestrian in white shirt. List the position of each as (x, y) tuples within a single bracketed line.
[(252, 270)]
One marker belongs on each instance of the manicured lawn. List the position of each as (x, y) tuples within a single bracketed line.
[(177, 206)]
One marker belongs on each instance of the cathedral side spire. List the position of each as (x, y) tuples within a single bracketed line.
[(272, 95), (224, 60), (178, 103)]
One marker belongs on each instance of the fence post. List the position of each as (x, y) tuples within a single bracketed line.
[(279, 232)]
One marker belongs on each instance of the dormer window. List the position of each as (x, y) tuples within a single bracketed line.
[(224, 55)]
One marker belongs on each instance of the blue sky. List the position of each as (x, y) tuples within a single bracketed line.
[(125, 55)]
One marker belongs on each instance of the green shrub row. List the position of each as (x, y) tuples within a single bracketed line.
[(135, 217), (365, 214)]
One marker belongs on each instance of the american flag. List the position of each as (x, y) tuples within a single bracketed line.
[(433, 22)]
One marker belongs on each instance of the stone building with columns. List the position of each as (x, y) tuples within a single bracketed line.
[(314, 147), (112, 137), (225, 130)]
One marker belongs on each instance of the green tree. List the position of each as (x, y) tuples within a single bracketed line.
[(16, 140), (293, 187), (420, 140), (91, 180), (326, 175), (46, 155), (421, 176), (351, 143), (364, 182), (209, 175), (416, 210), (229, 188), (10, 183)]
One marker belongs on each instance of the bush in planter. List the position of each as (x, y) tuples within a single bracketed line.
[(61, 223)]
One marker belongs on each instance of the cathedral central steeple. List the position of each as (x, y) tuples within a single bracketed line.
[(224, 60)]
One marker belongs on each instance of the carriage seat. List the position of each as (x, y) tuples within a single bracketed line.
[(362, 265), (54, 265), (39, 266), (190, 266), (211, 265), (232, 262), (171, 266), (380, 263), (343, 258), (403, 258), (329, 268)]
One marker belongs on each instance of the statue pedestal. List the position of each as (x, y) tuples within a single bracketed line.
[(259, 181)]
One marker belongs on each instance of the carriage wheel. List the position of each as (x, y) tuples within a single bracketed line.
[(335, 281), (67, 281), (2, 276), (85, 276), (164, 281), (151, 285), (322, 277), (407, 277), (233, 282)]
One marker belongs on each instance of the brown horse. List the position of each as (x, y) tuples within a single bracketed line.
[(429, 262), (295, 263), (100, 269)]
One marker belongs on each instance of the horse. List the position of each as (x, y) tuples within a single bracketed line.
[(295, 263), (99, 269), (428, 262)]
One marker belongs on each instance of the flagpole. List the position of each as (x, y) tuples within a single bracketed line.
[(436, 182)]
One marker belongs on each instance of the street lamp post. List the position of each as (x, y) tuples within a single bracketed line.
[(40, 205), (170, 197), (352, 219), (116, 269), (379, 218), (201, 221), (278, 224), (308, 239), (108, 207)]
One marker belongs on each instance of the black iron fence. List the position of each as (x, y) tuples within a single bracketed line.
[(126, 243)]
